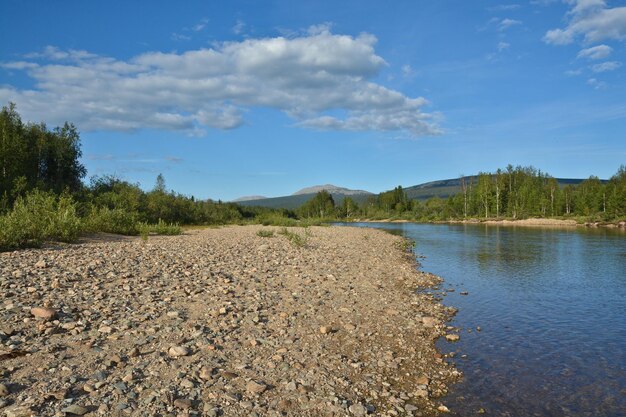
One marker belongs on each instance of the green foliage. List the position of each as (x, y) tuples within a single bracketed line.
[(104, 219), (296, 239), (265, 233), (321, 206), (32, 156), (38, 217), (163, 228)]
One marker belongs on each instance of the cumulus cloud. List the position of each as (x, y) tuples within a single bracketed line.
[(606, 66), (596, 52), (311, 78), (507, 23), (590, 20)]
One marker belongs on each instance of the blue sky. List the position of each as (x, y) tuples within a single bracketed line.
[(266, 97)]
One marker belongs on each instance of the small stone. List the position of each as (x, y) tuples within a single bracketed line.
[(41, 264), (177, 351), (183, 403), (421, 393), (206, 373), (75, 409), (452, 337), (231, 397), (186, 383), (228, 375), (223, 311), (254, 387), (429, 321), (409, 408), (4, 390), (291, 386), (18, 411), (326, 329), (105, 329), (443, 409), (358, 410), (43, 312), (422, 380)]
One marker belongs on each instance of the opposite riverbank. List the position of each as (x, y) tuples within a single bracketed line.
[(236, 321), (533, 222)]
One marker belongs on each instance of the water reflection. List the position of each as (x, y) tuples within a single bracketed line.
[(551, 306)]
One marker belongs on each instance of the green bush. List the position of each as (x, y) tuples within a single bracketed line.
[(164, 228), (108, 220), (39, 217), (295, 238), (265, 233)]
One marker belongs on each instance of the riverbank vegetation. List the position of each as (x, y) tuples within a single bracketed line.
[(511, 193), (44, 196)]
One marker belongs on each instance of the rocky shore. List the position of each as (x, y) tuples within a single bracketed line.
[(221, 322)]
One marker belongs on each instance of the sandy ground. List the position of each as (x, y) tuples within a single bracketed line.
[(221, 322)]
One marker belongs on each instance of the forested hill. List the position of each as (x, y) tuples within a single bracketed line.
[(446, 188), (421, 192)]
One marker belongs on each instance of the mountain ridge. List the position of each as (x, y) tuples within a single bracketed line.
[(424, 191)]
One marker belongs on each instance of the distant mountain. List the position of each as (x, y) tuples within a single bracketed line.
[(249, 197), (422, 192), (332, 189), (300, 197)]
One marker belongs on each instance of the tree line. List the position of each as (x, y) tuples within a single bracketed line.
[(43, 196), (510, 193)]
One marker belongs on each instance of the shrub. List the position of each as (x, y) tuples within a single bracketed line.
[(295, 238), (39, 217), (265, 233), (163, 228), (107, 220)]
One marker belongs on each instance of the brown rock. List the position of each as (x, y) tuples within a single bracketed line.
[(43, 312), (452, 337), (429, 321), (254, 387), (177, 351), (183, 403)]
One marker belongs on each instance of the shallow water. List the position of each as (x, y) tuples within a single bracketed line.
[(551, 305)]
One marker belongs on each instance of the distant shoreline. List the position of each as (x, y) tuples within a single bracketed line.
[(534, 222)]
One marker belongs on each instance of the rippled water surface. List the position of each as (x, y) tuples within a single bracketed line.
[(551, 305)]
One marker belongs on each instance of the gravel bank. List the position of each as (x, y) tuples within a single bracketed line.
[(221, 322)]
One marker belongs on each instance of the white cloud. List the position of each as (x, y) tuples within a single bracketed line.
[(503, 46), (591, 20), (239, 27), (573, 73), (606, 66), (507, 23), (504, 7), (595, 52), (180, 37), (597, 85), (311, 78)]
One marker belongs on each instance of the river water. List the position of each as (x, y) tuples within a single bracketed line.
[(551, 306)]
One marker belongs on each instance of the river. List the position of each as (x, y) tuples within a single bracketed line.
[(551, 307)]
